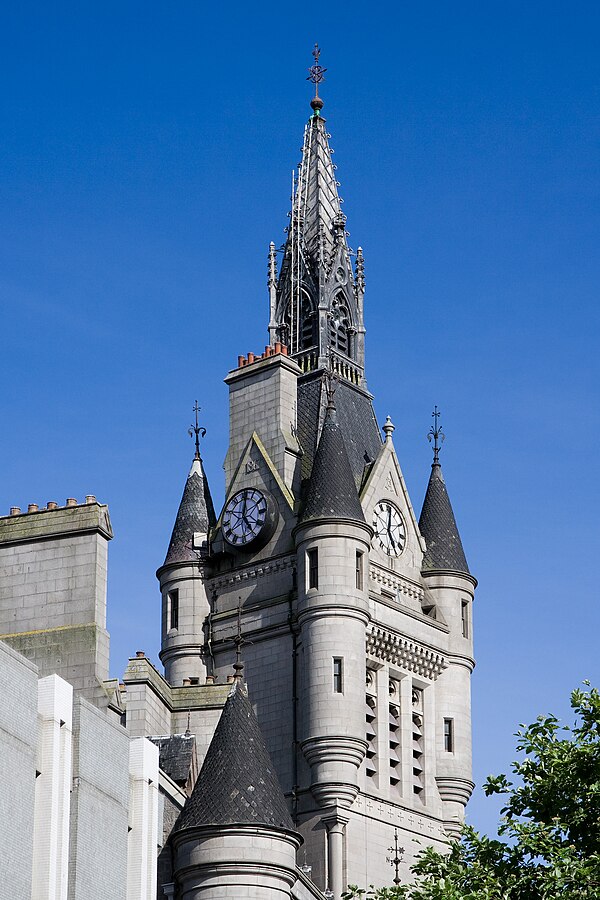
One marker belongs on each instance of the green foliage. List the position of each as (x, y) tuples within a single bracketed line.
[(550, 826)]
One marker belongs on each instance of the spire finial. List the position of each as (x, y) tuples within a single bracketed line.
[(316, 74), (436, 435), (396, 858), (238, 666), (197, 430)]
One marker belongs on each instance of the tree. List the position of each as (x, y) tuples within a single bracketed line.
[(549, 843)]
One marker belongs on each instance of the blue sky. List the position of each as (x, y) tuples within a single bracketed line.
[(145, 166)]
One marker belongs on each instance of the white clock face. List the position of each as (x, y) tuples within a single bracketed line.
[(244, 517), (388, 524)]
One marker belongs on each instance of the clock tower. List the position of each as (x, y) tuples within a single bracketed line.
[(355, 615)]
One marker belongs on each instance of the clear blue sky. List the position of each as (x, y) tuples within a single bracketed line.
[(145, 166)]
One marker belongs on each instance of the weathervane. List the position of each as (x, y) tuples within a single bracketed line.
[(396, 859), (316, 74), (197, 430), (436, 434)]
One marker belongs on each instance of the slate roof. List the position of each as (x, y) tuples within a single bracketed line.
[(438, 526), (175, 754), (237, 784), (355, 415), (331, 491), (196, 513)]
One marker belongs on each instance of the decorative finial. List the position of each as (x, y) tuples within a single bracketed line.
[(238, 666), (388, 428), (436, 435), (316, 74), (197, 430), (396, 859), (187, 730), (360, 270), (272, 279)]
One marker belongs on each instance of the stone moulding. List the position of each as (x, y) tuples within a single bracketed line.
[(397, 583), (252, 573), (392, 647)]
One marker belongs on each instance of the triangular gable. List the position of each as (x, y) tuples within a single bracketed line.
[(386, 482)]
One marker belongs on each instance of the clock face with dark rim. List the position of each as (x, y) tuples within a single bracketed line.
[(388, 524), (246, 517)]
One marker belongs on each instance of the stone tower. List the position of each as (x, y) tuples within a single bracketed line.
[(356, 618)]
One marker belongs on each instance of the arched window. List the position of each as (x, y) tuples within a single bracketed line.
[(307, 336), (339, 323)]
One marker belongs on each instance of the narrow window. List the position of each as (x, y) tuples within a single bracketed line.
[(312, 560), (464, 617), (338, 675), (173, 609), (359, 570), (449, 735)]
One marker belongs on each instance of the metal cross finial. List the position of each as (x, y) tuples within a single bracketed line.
[(436, 435), (197, 430), (238, 640), (396, 859), (316, 74)]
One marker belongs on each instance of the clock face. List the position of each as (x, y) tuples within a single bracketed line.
[(245, 517), (388, 525)]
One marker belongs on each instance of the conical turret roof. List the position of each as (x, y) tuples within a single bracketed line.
[(237, 784), (438, 526), (196, 514), (331, 492)]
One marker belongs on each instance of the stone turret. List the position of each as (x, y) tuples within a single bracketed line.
[(452, 588), (185, 604), (234, 836), (332, 542)]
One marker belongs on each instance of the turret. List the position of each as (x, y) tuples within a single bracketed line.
[(332, 543), (234, 836), (185, 604), (452, 588)]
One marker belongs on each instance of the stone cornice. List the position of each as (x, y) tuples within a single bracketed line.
[(252, 572), (384, 643), (398, 583)]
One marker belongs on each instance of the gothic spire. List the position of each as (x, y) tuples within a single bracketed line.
[(436, 522), (319, 300), (196, 512)]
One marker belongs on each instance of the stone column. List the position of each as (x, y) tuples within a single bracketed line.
[(336, 833)]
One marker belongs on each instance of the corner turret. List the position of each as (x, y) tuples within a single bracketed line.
[(185, 604), (234, 835), (452, 588)]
